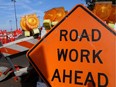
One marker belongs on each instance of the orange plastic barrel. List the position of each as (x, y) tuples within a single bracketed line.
[(103, 9), (12, 39), (5, 39)]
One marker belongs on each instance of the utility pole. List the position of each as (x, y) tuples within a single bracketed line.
[(14, 1)]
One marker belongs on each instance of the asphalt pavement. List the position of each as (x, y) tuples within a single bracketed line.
[(28, 80)]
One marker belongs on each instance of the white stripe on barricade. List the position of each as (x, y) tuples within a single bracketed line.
[(18, 46)]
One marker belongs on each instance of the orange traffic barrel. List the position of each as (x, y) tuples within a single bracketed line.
[(5, 40), (12, 39)]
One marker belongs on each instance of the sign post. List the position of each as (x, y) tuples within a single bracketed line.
[(78, 52)]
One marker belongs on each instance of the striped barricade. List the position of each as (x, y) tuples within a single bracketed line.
[(18, 46)]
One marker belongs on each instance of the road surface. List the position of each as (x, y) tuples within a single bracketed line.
[(25, 81)]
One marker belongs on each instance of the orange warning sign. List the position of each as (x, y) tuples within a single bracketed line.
[(78, 52)]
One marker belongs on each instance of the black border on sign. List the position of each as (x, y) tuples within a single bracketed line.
[(113, 32)]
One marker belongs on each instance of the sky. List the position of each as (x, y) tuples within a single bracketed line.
[(23, 7)]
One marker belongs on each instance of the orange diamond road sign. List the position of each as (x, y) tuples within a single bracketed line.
[(78, 52)]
